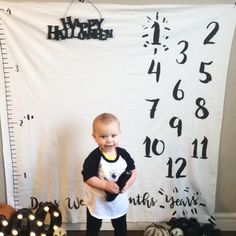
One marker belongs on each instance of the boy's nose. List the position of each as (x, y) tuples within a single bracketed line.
[(109, 139)]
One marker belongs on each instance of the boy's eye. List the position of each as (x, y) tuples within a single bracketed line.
[(114, 135), (103, 136)]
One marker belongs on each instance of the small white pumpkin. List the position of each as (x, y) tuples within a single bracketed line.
[(157, 229), (60, 232), (177, 232)]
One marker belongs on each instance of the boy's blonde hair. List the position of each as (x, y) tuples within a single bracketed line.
[(105, 118)]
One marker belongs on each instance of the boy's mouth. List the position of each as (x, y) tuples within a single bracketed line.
[(109, 146)]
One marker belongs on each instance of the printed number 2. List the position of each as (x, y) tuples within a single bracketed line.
[(212, 33)]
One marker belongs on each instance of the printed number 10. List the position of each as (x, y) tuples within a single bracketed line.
[(156, 147)]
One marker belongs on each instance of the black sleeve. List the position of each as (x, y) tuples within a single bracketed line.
[(91, 165), (129, 160)]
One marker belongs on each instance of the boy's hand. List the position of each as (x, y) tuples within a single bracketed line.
[(112, 187), (125, 188)]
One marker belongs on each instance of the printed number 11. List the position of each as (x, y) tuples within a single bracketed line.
[(204, 148)]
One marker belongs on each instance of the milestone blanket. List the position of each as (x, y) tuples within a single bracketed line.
[(161, 69)]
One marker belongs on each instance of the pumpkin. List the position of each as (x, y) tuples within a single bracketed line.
[(216, 232), (6, 210), (60, 232), (172, 222), (177, 232), (194, 227), (182, 223), (208, 230), (157, 229)]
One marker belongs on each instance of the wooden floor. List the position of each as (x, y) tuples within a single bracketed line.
[(130, 233), (104, 233)]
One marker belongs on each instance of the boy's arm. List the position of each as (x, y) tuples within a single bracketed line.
[(103, 184)]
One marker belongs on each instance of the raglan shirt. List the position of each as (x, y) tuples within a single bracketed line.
[(97, 165)]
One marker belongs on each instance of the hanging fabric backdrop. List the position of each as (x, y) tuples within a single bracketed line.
[(160, 68)]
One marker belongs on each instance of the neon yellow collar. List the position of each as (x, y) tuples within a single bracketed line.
[(109, 157)]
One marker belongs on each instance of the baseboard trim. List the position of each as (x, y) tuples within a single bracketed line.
[(224, 221)]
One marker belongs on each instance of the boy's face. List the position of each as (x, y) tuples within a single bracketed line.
[(107, 136)]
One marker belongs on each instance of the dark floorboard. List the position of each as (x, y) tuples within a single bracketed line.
[(131, 233)]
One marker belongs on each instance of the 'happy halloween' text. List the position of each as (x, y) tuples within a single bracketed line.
[(90, 29)]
